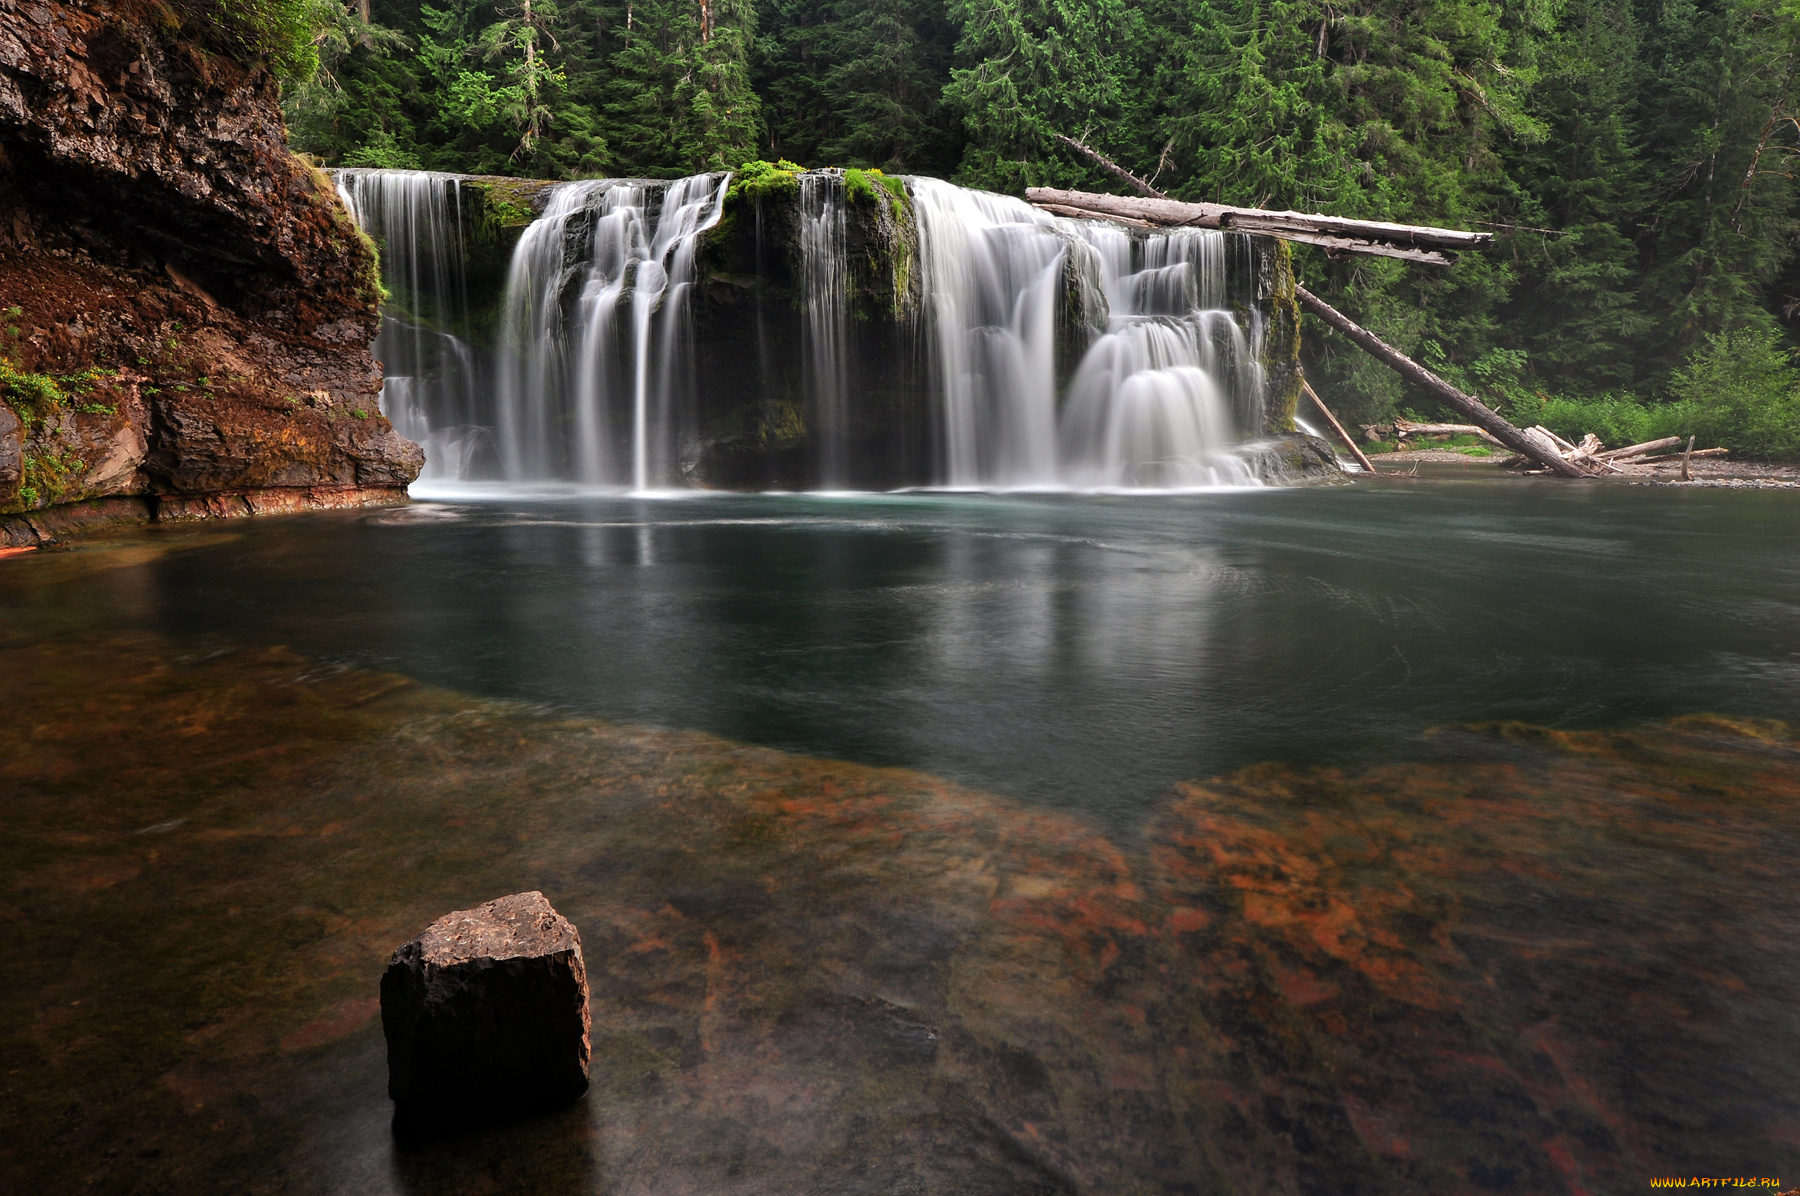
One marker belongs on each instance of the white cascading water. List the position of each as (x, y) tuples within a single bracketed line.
[(595, 375), (825, 271), (432, 382), (577, 383), (1150, 405), (991, 268)]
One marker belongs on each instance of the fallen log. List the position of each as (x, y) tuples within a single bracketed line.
[(1588, 453), (1558, 441), (1638, 450), (1344, 436), (1406, 427), (1533, 444), (1335, 234), (1665, 458), (1056, 209)]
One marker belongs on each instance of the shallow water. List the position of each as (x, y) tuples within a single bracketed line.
[(1046, 954)]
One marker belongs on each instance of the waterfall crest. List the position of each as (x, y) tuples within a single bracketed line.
[(594, 333), (1055, 353)]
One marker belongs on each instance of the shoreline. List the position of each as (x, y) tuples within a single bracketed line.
[(1715, 472)]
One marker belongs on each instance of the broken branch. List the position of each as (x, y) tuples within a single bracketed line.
[(1344, 436)]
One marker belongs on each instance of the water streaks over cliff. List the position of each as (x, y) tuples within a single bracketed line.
[(951, 338), (433, 378)]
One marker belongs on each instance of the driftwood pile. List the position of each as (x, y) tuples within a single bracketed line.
[(1590, 456)]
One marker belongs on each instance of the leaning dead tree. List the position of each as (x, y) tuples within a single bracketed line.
[(1527, 442)]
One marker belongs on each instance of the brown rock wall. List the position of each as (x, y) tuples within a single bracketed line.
[(199, 294)]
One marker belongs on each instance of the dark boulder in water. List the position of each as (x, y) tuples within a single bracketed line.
[(486, 1014)]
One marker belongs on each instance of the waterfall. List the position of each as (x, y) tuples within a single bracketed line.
[(432, 391), (1056, 353), (825, 270), (594, 332), (992, 268), (1150, 404)]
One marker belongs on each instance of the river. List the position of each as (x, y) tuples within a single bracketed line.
[(1419, 837)]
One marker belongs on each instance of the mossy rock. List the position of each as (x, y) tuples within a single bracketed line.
[(761, 180), (1281, 334)]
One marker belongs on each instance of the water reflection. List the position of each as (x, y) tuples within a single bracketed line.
[(1081, 652)]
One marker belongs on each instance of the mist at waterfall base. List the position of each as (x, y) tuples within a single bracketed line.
[(1044, 354)]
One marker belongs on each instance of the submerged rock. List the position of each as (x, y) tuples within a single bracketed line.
[(486, 1013)]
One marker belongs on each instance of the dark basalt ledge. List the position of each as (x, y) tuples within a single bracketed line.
[(155, 229), (1296, 459), (486, 1016)]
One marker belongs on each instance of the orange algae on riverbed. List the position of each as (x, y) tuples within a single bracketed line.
[(1528, 961)]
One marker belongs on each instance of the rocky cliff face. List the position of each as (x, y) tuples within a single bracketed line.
[(185, 308)]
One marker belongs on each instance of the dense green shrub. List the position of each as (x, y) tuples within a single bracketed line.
[(1743, 392), (1740, 390), (858, 186), (1618, 420)]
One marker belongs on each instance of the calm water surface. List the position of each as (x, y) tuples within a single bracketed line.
[(1083, 652)]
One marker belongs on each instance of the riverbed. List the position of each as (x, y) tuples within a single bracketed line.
[(1416, 838)]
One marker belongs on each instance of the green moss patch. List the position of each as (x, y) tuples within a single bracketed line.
[(765, 180)]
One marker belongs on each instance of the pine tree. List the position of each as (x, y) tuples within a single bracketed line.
[(522, 42), (1040, 68), (1724, 77), (679, 98), (858, 83)]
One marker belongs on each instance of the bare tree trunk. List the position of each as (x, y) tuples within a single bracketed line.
[(1344, 436), (1110, 167), (1535, 446)]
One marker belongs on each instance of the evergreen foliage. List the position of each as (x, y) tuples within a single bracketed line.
[(859, 83), (1636, 158)]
